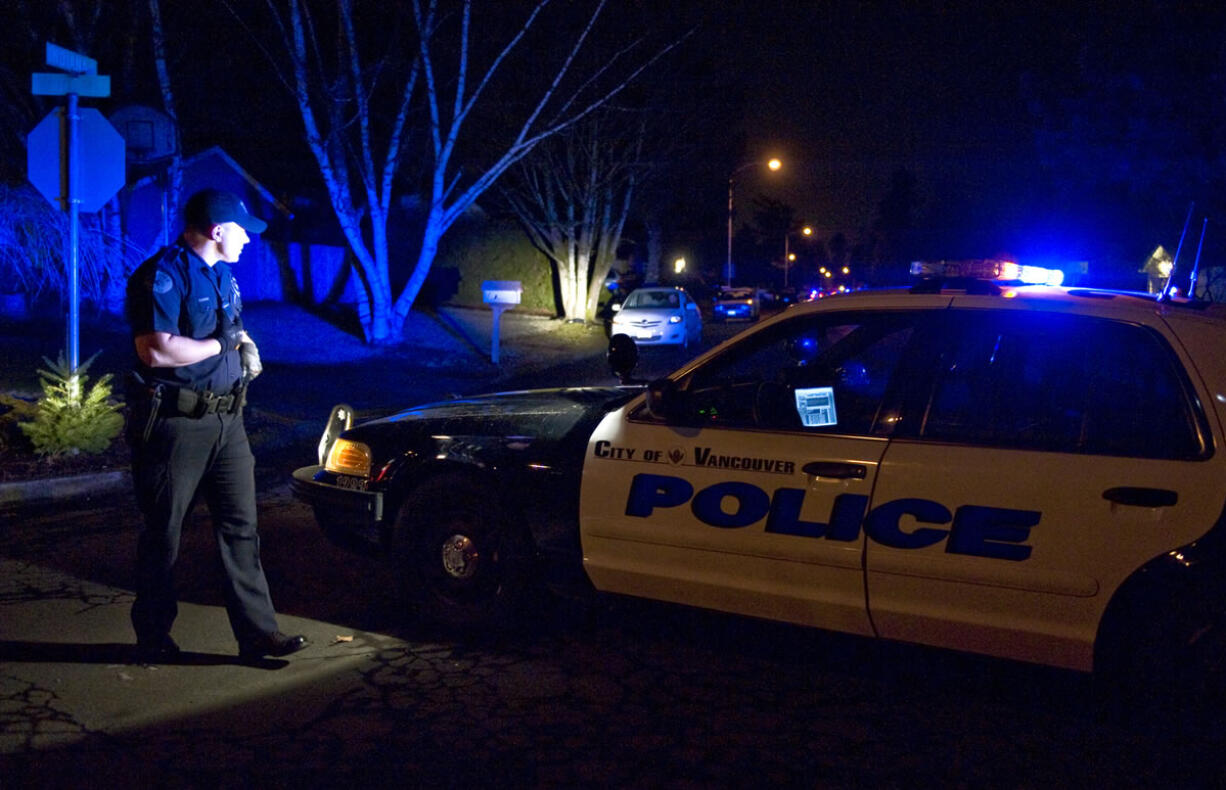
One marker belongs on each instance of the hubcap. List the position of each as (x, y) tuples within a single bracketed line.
[(460, 557)]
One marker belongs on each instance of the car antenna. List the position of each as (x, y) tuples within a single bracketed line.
[(1166, 289), (1196, 264)]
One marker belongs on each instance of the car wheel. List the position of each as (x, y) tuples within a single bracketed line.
[(463, 563), (1166, 672)]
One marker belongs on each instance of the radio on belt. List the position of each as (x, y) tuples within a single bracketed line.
[(500, 295)]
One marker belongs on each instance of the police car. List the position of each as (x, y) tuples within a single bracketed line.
[(1030, 472), (733, 303)]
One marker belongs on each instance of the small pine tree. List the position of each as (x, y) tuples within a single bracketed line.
[(70, 418)]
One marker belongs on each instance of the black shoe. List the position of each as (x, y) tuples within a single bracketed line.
[(157, 650), (274, 644)]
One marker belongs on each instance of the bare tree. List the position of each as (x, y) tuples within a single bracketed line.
[(573, 195), (343, 96), (175, 169)]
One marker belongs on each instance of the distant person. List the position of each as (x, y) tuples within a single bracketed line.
[(185, 426)]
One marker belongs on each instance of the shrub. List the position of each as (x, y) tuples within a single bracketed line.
[(33, 239), (69, 417)]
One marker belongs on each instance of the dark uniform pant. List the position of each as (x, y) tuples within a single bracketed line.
[(180, 456)]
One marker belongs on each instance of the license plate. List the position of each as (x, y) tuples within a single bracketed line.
[(351, 483)]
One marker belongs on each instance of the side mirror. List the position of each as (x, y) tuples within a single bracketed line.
[(664, 400), (622, 356), (803, 349), (339, 421), (616, 307)]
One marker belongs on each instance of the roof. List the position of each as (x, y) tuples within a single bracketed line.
[(961, 293), (217, 151)]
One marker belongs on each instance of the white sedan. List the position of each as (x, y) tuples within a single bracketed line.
[(659, 316)]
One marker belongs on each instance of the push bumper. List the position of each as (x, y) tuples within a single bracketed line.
[(351, 518)]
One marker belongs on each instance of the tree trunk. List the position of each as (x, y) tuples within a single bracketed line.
[(430, 237), (173, 188), (655, 250)]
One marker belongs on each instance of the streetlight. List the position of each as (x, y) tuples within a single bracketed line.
[(773, 164), (788, 256)]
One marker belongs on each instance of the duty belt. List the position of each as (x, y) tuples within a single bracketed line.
[(198, 403), (166, 398)]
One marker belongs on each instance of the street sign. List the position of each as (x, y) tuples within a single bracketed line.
[(66, 60), (101, 153), (53, 83)]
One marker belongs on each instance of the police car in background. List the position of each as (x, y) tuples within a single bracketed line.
[(1030, 472), (734, 303)]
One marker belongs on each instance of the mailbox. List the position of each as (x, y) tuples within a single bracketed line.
[(498, 292), (500, 295)]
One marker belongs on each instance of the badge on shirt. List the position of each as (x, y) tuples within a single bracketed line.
[(162, 283)]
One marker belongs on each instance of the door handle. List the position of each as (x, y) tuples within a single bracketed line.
[(1141, 497), (835, 469)]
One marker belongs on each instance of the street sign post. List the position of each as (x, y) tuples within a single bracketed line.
[(74, 158)]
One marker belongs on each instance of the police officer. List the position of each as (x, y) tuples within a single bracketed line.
[(186, 426)]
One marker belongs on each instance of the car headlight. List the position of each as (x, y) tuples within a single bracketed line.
[(674, 319), (348, 458)]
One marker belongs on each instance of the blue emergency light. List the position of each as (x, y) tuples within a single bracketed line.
[(989, 269)]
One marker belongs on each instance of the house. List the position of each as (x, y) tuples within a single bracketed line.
[(263, 272)]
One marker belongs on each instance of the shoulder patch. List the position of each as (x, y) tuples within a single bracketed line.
[(162, 283)]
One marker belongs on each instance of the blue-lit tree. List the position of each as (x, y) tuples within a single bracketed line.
[(461, 104)]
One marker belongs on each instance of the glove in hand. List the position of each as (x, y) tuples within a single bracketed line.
[(229, 333), (250, 356)]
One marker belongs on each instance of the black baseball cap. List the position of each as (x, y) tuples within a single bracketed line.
[(210, 207)]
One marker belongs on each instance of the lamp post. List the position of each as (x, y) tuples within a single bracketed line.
[(773, 164), (787, 251)]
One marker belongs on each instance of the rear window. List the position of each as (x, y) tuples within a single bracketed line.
[(1061, 383)]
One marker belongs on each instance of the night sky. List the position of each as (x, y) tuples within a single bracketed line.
[(1081, 130)]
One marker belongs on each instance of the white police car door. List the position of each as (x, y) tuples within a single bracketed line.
[(1052, 456), (747, 496)]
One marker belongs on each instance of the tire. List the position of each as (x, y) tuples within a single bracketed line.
[(464, 565), (1166, 673)]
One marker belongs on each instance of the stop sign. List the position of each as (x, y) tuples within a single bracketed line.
[(101, 153)]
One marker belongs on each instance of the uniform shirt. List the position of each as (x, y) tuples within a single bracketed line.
[(175, 291)]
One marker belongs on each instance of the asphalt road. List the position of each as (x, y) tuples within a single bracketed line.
[(611, 693)]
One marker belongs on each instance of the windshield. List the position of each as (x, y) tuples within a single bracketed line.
[(657, 299)]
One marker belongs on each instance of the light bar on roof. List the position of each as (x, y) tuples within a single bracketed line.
[(988, 269)]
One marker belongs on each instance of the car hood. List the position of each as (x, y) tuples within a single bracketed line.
[(516, 420)]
